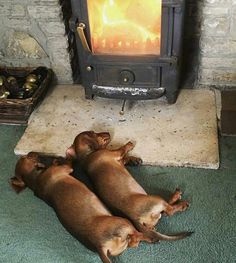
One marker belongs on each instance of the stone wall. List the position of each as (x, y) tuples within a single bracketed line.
[(32, 33), (217, 61)]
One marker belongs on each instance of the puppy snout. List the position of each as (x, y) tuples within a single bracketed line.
[(105, 136)]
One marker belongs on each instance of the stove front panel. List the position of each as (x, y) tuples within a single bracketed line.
[(107, 53)]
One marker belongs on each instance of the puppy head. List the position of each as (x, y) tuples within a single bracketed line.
[(24, 167), (87, 142)]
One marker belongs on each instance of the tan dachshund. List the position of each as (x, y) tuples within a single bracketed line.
[(117, 188), (78, 209)]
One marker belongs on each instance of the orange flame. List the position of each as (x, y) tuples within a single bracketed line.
[(125, 27)]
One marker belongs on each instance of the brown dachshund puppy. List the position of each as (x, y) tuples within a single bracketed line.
[(78, 209), (117, 188)]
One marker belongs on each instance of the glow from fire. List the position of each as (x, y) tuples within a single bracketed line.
[(125, 27)]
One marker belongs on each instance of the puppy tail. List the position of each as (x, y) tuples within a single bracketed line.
[(156, 236)]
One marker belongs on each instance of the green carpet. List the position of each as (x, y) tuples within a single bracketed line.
[(31, 232)]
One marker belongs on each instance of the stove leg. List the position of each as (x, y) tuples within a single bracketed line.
[(171, 97), (88, 94)]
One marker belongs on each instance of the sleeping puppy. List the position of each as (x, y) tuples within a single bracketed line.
[(78, 209), (117, 188)]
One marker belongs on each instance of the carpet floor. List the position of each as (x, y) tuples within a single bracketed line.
[(31, 232)]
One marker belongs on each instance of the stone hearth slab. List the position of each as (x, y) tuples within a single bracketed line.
[(183, 134)]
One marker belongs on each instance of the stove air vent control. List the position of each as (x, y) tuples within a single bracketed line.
[(126, 77)]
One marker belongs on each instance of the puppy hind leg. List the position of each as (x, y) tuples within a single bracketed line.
[(180, 207), (175, 197), (103, 255)]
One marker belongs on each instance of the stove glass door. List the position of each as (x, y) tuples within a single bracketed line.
[(125, 27)]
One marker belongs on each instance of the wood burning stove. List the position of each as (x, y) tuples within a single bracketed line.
[(129, 49)]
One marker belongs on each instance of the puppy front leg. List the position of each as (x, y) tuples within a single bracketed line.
[(123, 150), (180, 207), (129, 146)]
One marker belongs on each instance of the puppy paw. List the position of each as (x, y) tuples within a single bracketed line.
[(137, 161), (184, 205), (129, 146), (175, 197), (178, 193), (134, 161)]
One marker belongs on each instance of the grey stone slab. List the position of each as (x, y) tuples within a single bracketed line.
[(183, 134)]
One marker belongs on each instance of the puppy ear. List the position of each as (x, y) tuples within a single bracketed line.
[(70, 152), (17, 184), (56, 162), (91, 142)]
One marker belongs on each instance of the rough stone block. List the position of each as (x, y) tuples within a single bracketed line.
[(5, 9), (63, 58), (1, 54), (218, 2), (220, 63), (17, 11), (217, 77), (22, 45), (18, 23), (45, 12), (216, 11), (52, 28), (11, 62), (216, 26), (217, 47), (63, 73), (58, 44), (233, 25)]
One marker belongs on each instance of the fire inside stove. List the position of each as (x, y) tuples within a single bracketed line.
[(125, 27)]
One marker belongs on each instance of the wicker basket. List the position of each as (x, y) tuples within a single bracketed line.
[(17, 111)]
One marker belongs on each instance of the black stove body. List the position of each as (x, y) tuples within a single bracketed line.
[(136, 77)]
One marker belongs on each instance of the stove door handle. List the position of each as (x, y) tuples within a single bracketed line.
[(84, 42)]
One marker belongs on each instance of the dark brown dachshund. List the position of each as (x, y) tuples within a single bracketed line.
[(78, 209), (117, 188)]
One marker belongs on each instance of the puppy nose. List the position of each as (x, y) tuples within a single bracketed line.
[(104, 134), (107, 134)]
